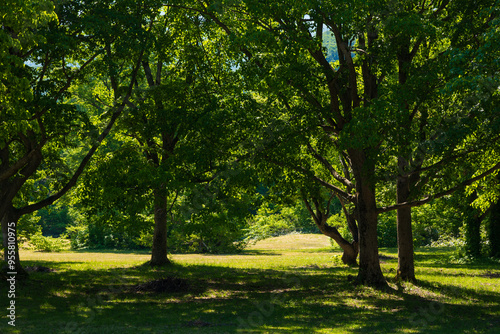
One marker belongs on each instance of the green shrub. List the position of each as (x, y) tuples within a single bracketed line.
[(339, 222), (269, 223), (78, 236), (48, 244), (424, 235), (280, 220), (387, 230), (27, 226)]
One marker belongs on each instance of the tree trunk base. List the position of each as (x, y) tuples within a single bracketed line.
[(21, 273), (372, 277), (406, 278), (348, 260), (374, 282), (160, 263), (350, 255)]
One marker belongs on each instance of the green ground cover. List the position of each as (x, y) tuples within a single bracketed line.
[(270, 288)]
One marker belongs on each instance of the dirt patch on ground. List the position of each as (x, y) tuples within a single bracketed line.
[(39, 269), (198, 323), (385, 258), (489, 274), (167, 284)]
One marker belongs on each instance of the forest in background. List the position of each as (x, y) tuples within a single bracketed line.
[(200, 127)]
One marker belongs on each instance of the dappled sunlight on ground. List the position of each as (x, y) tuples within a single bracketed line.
[(265, 289)]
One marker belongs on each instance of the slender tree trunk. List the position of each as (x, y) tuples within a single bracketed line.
[(494, 230), (370, 272), (159, 251), (472, 228), (473, 236), (406, 265)]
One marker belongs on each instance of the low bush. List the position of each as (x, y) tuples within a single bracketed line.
[(48, 244), (78, 236)]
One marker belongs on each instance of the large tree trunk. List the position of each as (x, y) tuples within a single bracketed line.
[(406, 266), (472, 228), (159, 251), (370, 272), (9, 224)]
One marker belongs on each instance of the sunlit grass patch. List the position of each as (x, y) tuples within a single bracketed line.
[(293, 242)]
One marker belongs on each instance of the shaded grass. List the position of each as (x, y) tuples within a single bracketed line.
[(259, 291)]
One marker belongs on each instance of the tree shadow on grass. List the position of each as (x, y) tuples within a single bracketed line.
[(436, 261), (251, 252), (114, 251), (239, 300), (477, 310)]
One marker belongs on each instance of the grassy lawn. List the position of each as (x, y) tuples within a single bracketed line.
[(291, 284)]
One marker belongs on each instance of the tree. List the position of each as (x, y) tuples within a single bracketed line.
[(40, 119), (19, 35), (177, 123), (389, 96)]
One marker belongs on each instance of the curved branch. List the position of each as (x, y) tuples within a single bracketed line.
[(438, 195), (19, 164), (330, 168), (308, 173)]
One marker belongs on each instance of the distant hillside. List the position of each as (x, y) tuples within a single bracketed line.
[(294, 241)]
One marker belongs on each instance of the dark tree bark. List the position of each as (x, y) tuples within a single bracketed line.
[(494, 230), (370, 272), (473, 220), (350, 249), (159, 159), (473, 236), (9, 188), (159, 251), (406, 266)]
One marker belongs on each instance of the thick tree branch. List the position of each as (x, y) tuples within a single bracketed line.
[(345, 56), (307, 173), (438, 195), (148, 73), (330, 168), (19, 164)]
